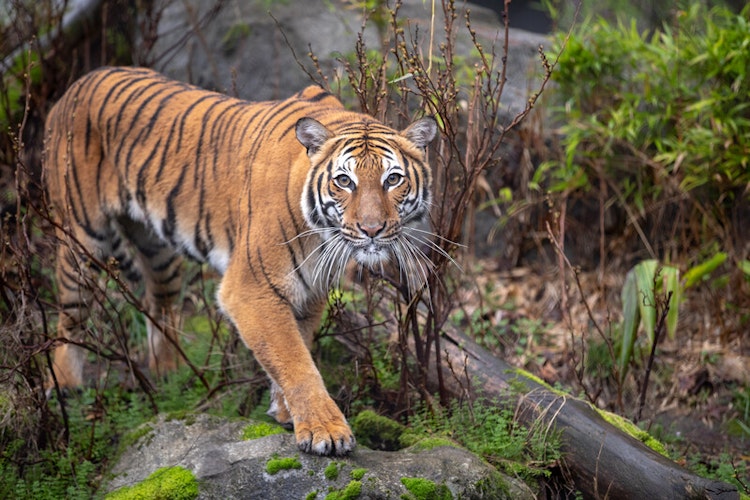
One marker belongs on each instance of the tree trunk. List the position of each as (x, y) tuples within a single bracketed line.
[(604, 461)]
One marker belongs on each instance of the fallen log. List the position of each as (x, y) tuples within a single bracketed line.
[(604, 461)]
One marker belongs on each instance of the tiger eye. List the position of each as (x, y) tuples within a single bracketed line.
[(393, 179), (343, 181)]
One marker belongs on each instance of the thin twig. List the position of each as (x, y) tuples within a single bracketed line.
[(660, 325)]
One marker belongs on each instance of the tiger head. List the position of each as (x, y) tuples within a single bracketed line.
[(366, 185)]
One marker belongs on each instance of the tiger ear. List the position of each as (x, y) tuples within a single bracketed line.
[(312, 134), (422, 131)]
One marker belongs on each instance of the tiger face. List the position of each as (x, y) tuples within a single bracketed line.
[(366, 188)]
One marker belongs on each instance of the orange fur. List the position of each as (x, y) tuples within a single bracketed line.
[(277, 196)]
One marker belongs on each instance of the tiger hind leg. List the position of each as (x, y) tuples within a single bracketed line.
[(76, 270), (159, 267), (74, 300)]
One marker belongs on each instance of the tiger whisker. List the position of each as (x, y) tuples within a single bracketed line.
[(303, 234), (309, 255), (414, 261), (434, 235), (433, 246)]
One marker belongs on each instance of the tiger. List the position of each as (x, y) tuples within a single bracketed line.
[(277, 196)]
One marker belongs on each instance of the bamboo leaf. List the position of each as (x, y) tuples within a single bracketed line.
[(631, 319), (698, 273), (645, 273), (744, 266)]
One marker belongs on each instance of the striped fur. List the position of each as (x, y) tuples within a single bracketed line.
[(277, 196)]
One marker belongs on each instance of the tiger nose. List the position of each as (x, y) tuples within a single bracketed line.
[(370, 229)]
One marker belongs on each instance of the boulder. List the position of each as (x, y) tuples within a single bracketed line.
[(270, 467), (247, 48)]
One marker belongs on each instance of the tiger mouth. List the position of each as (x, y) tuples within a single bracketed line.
[(371, 253)]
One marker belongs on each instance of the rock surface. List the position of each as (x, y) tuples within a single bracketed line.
[(229, 467), (248, 47)]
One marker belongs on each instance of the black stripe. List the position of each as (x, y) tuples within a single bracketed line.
[(274, 288), (170, 222), (140, 186), (293, 256)]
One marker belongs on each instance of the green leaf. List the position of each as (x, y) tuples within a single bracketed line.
[(630, 320), (644, 274), (744, 266), (701, 271)]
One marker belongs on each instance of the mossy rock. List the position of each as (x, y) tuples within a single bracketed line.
[(275, 465), (424, 489), (349, 492), (377, 432), (261, 429), (167, 483), (332, 471), (419, 442)]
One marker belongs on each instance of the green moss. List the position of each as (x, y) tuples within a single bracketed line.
[(377, 432), (424, 489), (630, 428), (332, 471), (358, 474), (167, 483), (261, 429), (494, 486), (350, 492), (135, 435), (186, 416), (312, 495), (530, 376), (278, 464)]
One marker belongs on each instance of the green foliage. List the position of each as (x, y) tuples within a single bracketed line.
[(73, 472), (645, 293), (167, 483), (490, 431), (721, 468), (25, 70), (740, 425), (112, 416), (657, 116)]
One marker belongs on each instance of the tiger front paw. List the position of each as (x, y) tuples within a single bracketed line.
[(325, 432)]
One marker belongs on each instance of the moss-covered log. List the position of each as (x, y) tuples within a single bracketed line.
[(604, 460)]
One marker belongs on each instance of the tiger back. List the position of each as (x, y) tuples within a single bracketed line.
[(277, 196)]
